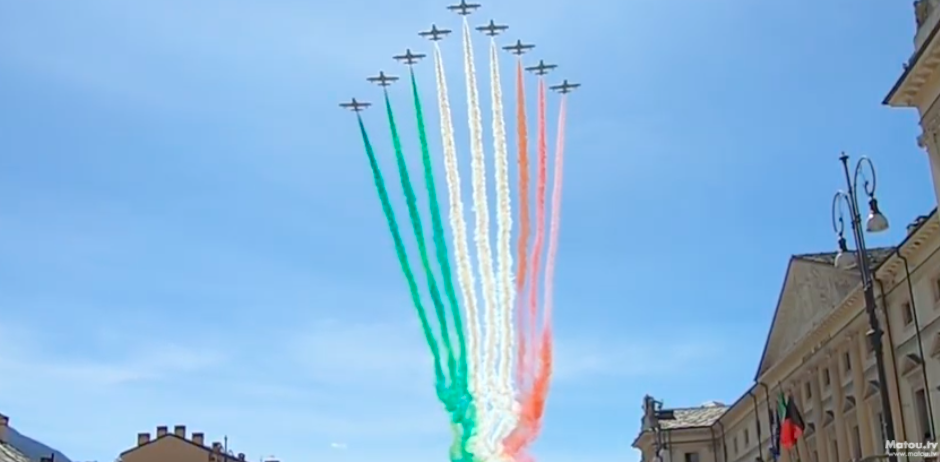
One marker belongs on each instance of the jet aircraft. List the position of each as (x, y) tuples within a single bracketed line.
[(542, 68), (565, 87), (382, 80), (355, 106), (492, 29), (518, 48), (435, 34), (463, 8), (409, 58)]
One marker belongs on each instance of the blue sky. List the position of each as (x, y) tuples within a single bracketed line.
[(189, 234)]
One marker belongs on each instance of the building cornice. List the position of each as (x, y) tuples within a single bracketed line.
[(832, 326), (916, 73)]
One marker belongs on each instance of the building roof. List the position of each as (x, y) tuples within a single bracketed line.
[(877, 256), (694, 417), (225, 457), (9, 454)]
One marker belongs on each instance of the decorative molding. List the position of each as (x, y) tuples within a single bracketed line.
[(849, 311)]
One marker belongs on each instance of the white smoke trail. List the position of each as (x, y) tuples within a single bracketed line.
[(503, 402), (458, 228), (481, 234)]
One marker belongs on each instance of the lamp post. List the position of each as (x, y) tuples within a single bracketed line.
[(876, 223)]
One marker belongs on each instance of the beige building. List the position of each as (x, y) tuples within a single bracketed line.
[(177, 447), (818, 353), (817, 350), (919, 84)]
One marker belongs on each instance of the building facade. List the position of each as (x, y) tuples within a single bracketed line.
[(165, 446), (817, 352), (919, 84)]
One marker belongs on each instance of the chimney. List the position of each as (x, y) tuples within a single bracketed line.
[(161, 431), (199, 438), (216, 446), (180, 431), (143, 438), (4, 424), (241, 456)]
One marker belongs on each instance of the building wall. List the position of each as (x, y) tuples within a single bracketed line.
[(177, 446), (167, 449), (918, 365), (683, 445), (830, 370)]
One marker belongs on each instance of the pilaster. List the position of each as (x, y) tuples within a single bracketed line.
[(867, 426), (838, 400), (822, 433)]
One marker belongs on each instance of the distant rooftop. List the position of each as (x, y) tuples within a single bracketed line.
[(692, 417), (9, 454)]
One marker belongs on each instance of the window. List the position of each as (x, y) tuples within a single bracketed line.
[(847, 361), (735, 445), (747, 438), (869, 347), (826, 379), (808, 390), (936, 289), (920, 404), (691, 457), (907, 314), (834, 451)]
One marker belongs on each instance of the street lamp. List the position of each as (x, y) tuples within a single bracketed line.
[(876, 223)]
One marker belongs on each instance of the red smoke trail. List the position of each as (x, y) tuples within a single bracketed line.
[(533, 401), (523, 140), (536, 255), (548, 295), (539, 370)]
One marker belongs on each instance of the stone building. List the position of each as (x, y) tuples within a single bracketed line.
[(817, 352), (176, 446)]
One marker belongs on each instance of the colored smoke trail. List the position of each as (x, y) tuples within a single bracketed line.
[(533, 405), (522, 134), (505, 395), (529, 419), (549, 288), (440, 381), (440, 244), (459, 229), (412, 203), (482, 230), (537, 246), (536, 412), (459, 414)]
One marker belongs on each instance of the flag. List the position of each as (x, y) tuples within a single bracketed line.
[(774, 434), (791, 422)]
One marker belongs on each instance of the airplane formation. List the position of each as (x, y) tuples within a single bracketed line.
[(434, 34)]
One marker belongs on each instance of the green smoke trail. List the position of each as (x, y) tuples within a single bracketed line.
[(440, 381), (463, 414), (440, 245), (412, 203)]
